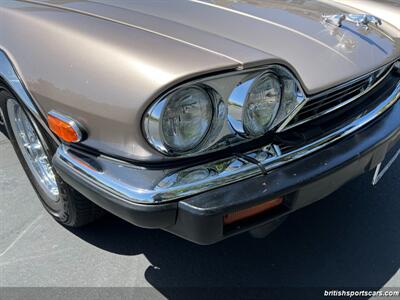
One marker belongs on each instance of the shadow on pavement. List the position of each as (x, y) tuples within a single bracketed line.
[(350, 239)]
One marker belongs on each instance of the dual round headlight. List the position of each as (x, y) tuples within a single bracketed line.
[(181, 120), (193, 118), (254, 104), (261, 105), (186, 118)]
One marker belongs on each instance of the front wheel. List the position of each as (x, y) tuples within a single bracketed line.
[(34, 150)]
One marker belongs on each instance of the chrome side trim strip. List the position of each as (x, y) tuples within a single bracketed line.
[(325, 112), (10, 76), (105, 175)]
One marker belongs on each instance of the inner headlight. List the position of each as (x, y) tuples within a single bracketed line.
[(262, 104), (186, 118)]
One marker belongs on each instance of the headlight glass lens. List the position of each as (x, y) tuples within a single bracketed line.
[(262, 104), (186, 118)]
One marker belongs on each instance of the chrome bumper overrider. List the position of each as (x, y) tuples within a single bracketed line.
[(134, 184)]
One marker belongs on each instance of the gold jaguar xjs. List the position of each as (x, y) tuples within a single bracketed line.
[(202, 118)]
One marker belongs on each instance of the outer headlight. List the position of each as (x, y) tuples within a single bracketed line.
[(262, 104), (181, 121), (186, 118)]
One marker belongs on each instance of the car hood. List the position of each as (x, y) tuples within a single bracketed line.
[(254, 32)]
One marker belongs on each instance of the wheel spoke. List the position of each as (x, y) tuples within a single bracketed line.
[(32, 150)]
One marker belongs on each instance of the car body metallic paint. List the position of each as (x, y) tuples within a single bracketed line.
[(104, 62)]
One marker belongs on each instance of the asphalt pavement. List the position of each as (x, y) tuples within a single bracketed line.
[(350, 239)]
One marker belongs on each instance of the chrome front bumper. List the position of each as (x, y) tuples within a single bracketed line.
[(133, 184)]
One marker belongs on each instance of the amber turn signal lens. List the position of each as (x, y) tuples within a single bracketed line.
[(64, 127), (252, 211)]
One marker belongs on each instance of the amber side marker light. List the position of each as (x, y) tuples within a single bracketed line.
[(64, 127), (252, 211)]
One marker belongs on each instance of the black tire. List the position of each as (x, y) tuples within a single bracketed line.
[(71, 208)]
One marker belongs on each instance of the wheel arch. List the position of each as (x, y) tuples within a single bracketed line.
[(15, 85)]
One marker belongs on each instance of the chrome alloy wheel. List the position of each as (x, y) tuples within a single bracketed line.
[(32, 149)]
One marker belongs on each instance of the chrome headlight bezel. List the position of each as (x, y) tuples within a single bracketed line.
[(227, 125)]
